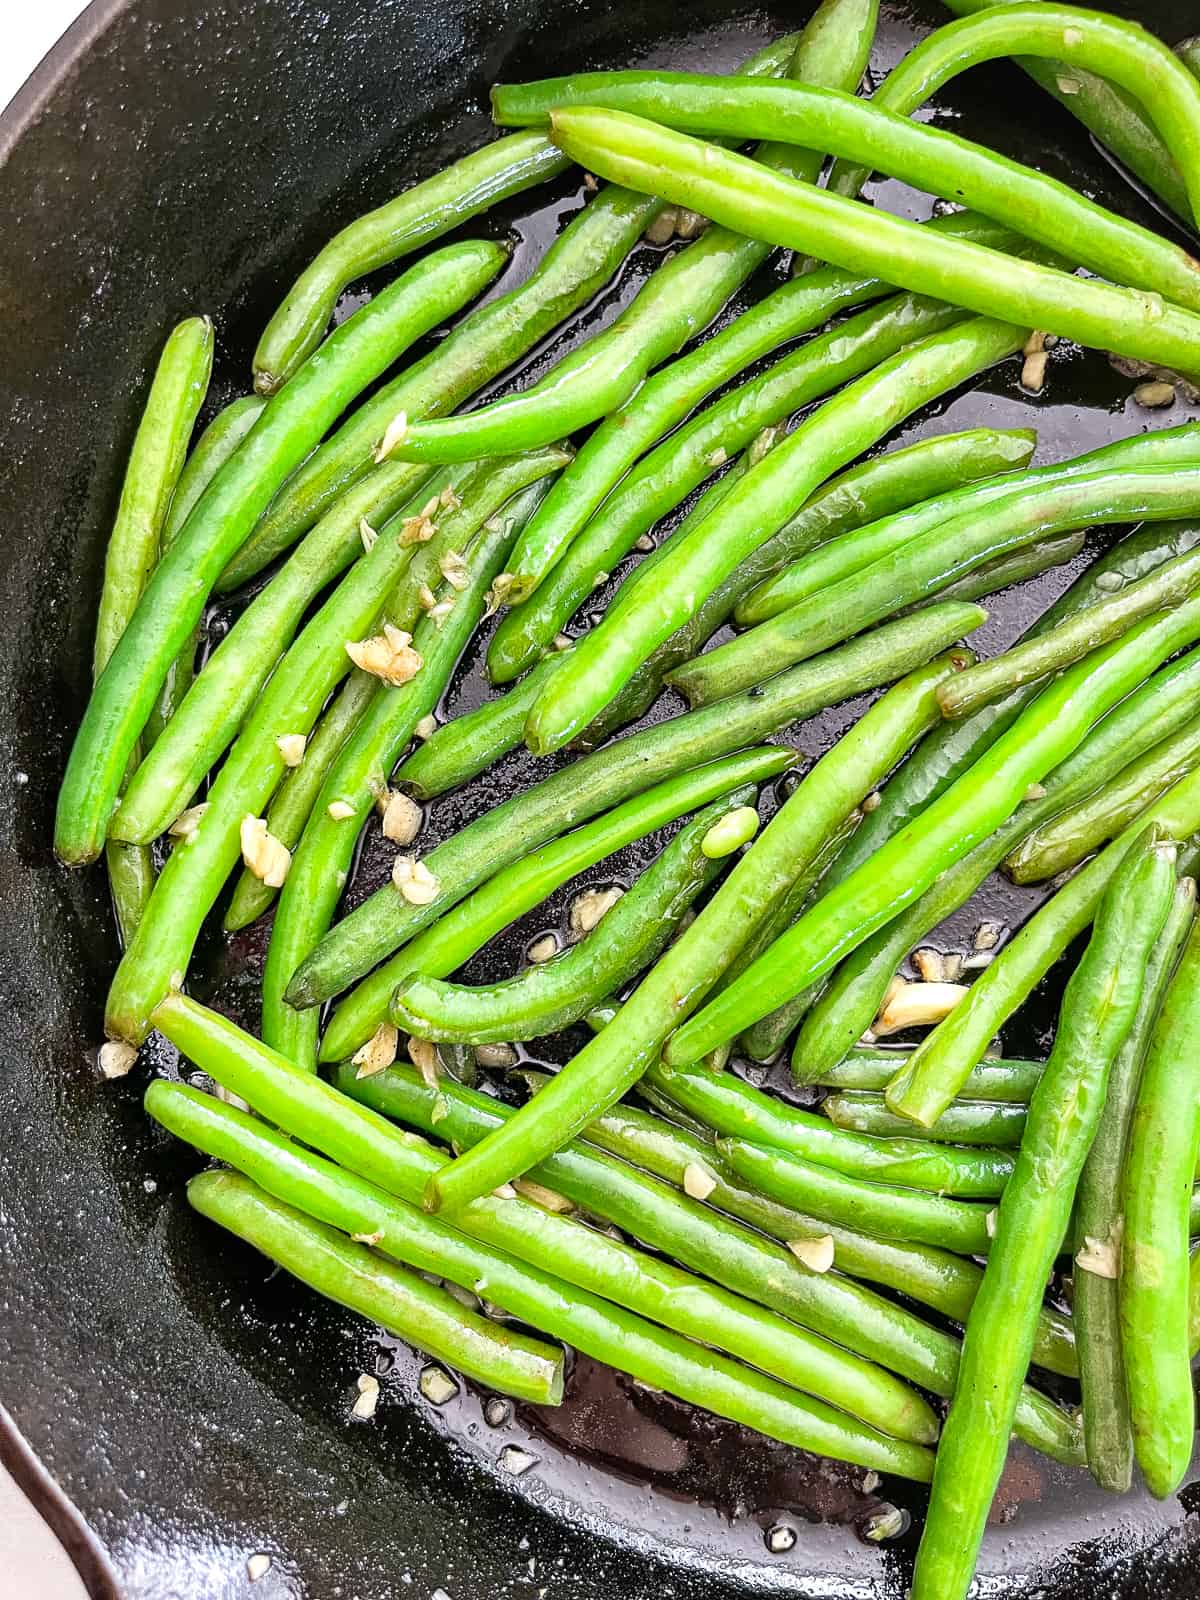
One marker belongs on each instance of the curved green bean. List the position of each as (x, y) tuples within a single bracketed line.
[(974, 806), (576, 266), (174, 598), (909, 1215), (426, 211), (1073, 834), (943, 553), (423, 1314), (1099, 1006), (554, 994), (655, 601), (614, 1060), (1098, 1217), (453, 939), (963, 1122), (384, 921), (613, 1287), (1003, 1079), (483, 534), (936, 1070), (1160, 1168), (1075, 38)]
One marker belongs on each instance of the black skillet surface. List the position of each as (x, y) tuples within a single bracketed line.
[(183, 155)]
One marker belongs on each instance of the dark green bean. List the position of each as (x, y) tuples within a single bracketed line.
[(964, 1122), (1005, 1080)]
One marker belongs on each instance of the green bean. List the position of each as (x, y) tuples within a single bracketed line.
[(213, 449), (174, 598), (654, 602), (614, 1060), (1098, 1008), (422, 1314), (454, 938), (905, 1214), (1114, 117), (1071, 835), (577, 265), (607, 1280), (297, 793), (1159, 1170), (1011, 1082), (716, 1247), (937, 557), (131, 879), (963, 1122), (969, 811), (384, 921), (938, 1067), (1119, 52), (1016, 567), (1132, 322), (554, 994), (363, 765), (1098, 1217), (397, 228)]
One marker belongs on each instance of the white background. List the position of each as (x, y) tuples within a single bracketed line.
[(29, 1554)]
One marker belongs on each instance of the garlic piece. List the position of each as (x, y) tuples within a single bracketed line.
[(427, 727), (116, 1058), (816, 1254), (368, 1396), (394, 433), (388, 655), (340, 810), (367, 534), (1033, 371), (416, 530), (930, 964), (402, 818), (257, 1566), (291, 748), (543, 949), (588, 908), (423, 1055), (454, 569), (379, 1051), (436, 1384), (548, 1199), (414, 881), (502, 585), (267, 857), (188, 821), (449, 499), (1154, 395), (698, 1181), (1102, 1257), (916, 1005)]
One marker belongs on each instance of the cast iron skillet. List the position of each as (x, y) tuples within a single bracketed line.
[(173, 1409)]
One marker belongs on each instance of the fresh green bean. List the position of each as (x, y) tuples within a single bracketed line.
[(654, 602), (906, 1214), (1160, 1167), (174, 598), (421, 1313), (716, 1247), (554, 994), (947, 1283), (213, 449), (1098, 1218), (1122, 53), (688, 456), (1016, 567), (1114, 117), (297, 793), (397, 228), (936, 1070), (481, 533), (614, 1060), (1050, 728), (925, 565), (604, 778), (131, 879), (1071, 835), (453, 939), (1009, 1081), (1099, 1006), (964, 1122), (577, 265), (613, 1287), (1135, 322)]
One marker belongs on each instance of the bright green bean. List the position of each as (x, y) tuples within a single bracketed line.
[(1098, 1217), (552, 995), (1008, 1081), (963, 816), (963, 1122), (422, 1314), (714, 1246), (936, 1070), (1122, 53), (577, 265), (1098, 1009), (654, 602), (614, 1060), (175, 596), (602, 779), (633, 1285), (397, 228), (1071, 835), (482, 533), (910, 1215), (1016, 567), (454, 938), (1159, 1171)]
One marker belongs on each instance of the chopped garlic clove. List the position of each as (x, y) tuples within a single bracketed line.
[(917, 1005), (437, 1385), (186, 823), (548, 1199), (588, 908), (395, 432), (454, 569), (543, 949), (257, 1566), (930, 965), (1102, 1257), (368, 1397), (816, 1254), (388, 655), (267, 857), (423, 1055), (291, 748), (402, 818), (427, 727), (340, 810), (379, 1051), (698, 1181), (115, 1058), (1155, 395), (415, 881)]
